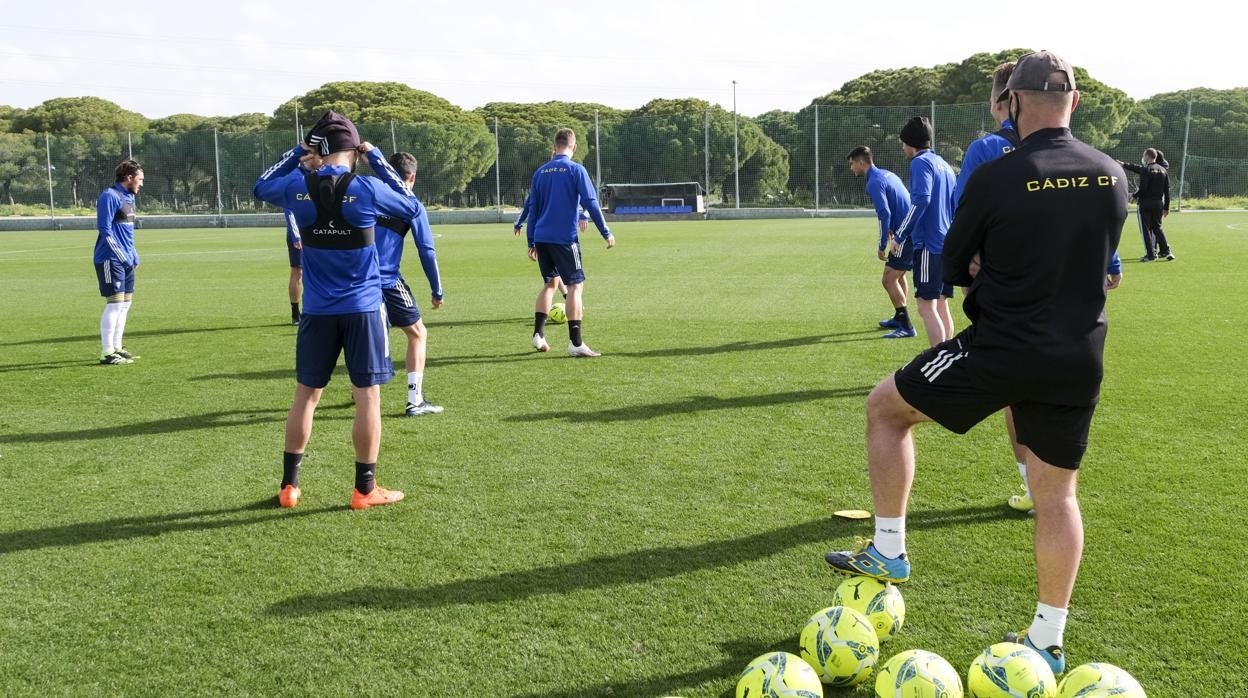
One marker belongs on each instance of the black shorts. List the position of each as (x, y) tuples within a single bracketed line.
[(560, 260), (400, 305), (947, 383), (903, 261)]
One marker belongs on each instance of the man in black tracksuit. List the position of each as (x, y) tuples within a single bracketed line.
[(1033, 236), (1154, 203)]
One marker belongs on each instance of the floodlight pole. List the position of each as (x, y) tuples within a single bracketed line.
[(706, 148), (47, 144), (816, 157), (597, 155), (216, 154), (129, 146), (394, 142), (498, 182), (736, 164)]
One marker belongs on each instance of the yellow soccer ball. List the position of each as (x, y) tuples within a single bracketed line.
[(779, 675), (840, 645), (918, 674), (1008, 669), (881, 603), (1099, 680), (558, 314)]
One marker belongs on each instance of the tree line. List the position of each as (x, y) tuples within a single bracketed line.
[(782, 157)]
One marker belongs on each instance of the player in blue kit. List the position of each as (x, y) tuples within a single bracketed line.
[(400, 174), (993, 145), (116, 259), (892, 203), (559, 188), (931, 210), (294, 252), (337, 212)]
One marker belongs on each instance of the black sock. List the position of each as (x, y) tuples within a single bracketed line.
[(365, 477), (903, 318), (539, 323), (574, 332), (290, 468)]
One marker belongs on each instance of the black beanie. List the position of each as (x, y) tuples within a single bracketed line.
[(917, 133), (332, 133)]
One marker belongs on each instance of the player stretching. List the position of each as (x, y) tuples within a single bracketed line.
[(336, 212), (401, 308), (892, 203), (1034, 254)]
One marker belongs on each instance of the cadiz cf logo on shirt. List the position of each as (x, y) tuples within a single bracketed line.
[(1080, 182)]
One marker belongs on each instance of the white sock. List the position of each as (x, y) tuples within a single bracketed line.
[(1047, 626), (1022, 472), (890, 535), (108, 326), (120, 329), (414, 391)]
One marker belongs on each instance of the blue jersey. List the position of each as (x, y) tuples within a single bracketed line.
[(891, 201), (931, 203), (582, 214), (114, 220), (336, 281), (558, 188), (390, 236), (983, 149)]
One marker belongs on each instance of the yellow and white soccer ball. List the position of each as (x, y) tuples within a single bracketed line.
[(881, 603), (1099, 680), (557, 314), (918, 674), (840, 645), (1010, 670), (779, 675)]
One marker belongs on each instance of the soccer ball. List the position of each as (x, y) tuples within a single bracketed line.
[(881, 603), (779, 675), (1009, 669), (918, 674), (1099, 680), (557, 314), (841, 646)]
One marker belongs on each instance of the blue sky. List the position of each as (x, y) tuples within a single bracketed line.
[(161, 58)]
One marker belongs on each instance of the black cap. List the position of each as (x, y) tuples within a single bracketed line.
[(1033, 72), (917, 133), (332, 133)]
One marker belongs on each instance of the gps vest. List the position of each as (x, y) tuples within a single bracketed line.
[(331, 231)]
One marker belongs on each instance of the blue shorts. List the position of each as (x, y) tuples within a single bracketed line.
[(400, 305), (904, 262), (362, 336), (114, 278), (929, 283), (296, 256), (563, 261)]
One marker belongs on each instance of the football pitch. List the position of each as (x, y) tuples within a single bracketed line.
[(643, 524)]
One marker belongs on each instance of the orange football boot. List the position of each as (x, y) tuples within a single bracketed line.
[(288, 497), (378, 497)]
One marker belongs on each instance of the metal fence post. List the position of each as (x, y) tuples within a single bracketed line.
[(736, 165), (706, 149), (394, 141), (597, 155), (1187, 130), (129, 146), (216, 156), (47, 145), (933, 125), (816, 158), (498, 182)]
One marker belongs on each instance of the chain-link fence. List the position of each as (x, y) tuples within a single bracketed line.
[(792, 160)]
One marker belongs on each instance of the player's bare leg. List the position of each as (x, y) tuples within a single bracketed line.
[(946, 316), (366, 436), (575, 309), (294, 290), (298, 431), (541, 307), (417, 339), (932, 322)]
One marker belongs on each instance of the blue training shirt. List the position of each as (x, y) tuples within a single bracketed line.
[(558, 188), (114, 221), (891, 201), (390, 243), (335, 281), (292, 228), (983, 149), (931, 203)]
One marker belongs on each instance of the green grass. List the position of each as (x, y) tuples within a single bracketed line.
[(643, 524)]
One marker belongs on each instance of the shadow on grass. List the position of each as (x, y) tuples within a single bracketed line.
[(52, 365), (699, 403), (739, 653), (433, 322), (611, 570), (148, 526), (211, 420), (131, 334), (860, 335)]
